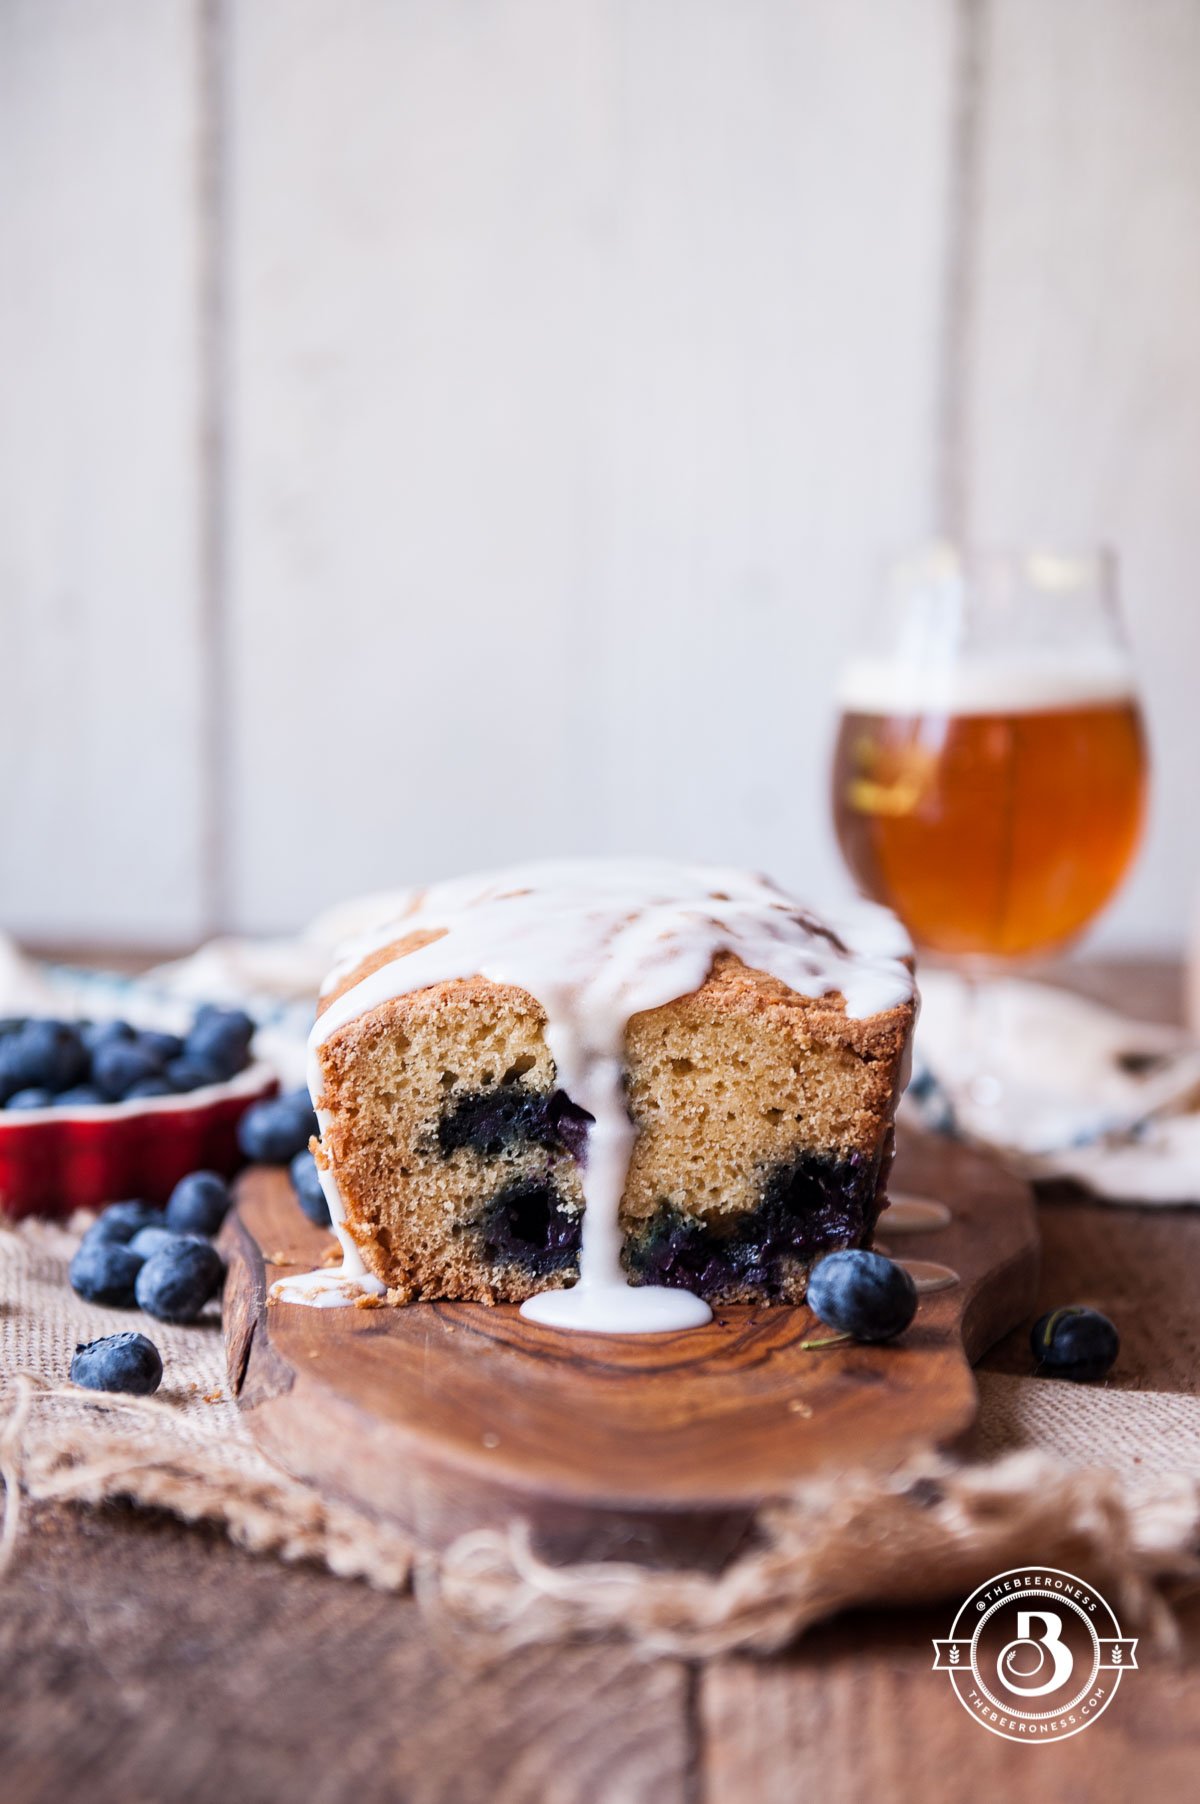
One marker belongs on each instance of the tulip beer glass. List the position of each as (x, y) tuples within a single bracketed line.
[(990, 772)]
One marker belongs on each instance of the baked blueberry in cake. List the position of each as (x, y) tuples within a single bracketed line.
[(609, 1077)]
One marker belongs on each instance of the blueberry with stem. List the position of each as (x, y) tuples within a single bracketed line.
[(862, 1295), (1076, 1343)]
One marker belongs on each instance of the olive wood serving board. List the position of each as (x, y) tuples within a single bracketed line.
[(452, 1416)]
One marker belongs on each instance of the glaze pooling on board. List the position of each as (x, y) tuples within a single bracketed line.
[(596, 942)]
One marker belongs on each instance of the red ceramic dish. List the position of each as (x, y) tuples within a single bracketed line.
[(53, 1161)]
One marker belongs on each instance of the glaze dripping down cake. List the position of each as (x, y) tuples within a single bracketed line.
[(605, 1075)]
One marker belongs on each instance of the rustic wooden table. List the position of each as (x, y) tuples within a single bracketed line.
[(141, 1660)]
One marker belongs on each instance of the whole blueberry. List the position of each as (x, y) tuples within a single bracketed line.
[(220, 1011), (161, 1046), (222, 1038), (103, 1271), (80, 1096), (96, 1034), (30, 1099), (42, 1055), (273, 1132), (306, 1183), (198, 1204), (119, 1362), (66, 1058), (862, 1294), (176, 1282), (147, 1241), (119, 1065), (187, 1073), (121, 1221), (147, 1087), (1076, 1343)]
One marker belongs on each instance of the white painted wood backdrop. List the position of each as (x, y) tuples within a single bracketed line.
[(440, 431)]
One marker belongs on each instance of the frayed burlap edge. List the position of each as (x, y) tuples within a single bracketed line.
[(264, 1511), (933, 1529)]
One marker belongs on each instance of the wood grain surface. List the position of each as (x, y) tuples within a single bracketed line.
[(859, 1704), (143, 1661), (450, 1416)]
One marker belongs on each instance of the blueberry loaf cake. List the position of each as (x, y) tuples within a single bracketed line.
[(622, 1079)]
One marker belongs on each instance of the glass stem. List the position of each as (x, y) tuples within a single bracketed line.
[(980, 1027)]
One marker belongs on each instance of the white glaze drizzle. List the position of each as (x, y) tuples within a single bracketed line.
[(596, 942), (329, 1288)]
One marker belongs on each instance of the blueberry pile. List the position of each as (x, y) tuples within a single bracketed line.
[(67, 1064), (160, 1261), (135, 1255)]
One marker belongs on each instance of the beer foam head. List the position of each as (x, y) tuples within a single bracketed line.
[(1031, 683)]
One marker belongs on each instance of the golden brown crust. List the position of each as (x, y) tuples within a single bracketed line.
[(375, 961)]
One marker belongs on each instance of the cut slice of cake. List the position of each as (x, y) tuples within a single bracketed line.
[(606, 1075)]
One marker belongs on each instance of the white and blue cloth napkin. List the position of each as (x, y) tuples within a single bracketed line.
[(1069, 1089)]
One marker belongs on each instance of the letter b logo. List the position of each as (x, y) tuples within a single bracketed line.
[(1027, 1658)]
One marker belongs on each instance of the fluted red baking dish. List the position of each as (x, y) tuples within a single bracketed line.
[(53, 1161)]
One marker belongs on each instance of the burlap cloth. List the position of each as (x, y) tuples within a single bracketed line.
[(934, 1530)]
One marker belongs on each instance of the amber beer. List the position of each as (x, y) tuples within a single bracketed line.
[(998, 820)]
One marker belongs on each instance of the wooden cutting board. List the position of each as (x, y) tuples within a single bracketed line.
[(451, 1416)]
